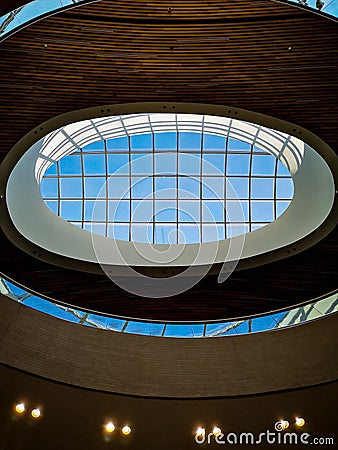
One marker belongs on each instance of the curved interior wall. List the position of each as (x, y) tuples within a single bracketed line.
[(147, 366)]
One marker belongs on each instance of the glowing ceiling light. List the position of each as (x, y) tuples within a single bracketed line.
[(216, 431), (285, 424), (300, 422), (36, 413), (200, 431), (126, 430), (109, 427), (20, 408)]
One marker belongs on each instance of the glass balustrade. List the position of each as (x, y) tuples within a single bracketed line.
[(274, 320)]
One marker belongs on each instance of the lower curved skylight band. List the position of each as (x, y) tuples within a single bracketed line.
[(33, 11), (275, 320)]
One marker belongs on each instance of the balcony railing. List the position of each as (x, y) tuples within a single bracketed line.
[(274, 320)]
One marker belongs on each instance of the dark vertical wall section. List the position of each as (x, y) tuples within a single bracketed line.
[(168, 367)]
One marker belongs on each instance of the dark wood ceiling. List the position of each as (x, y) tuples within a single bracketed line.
[(267, 57)]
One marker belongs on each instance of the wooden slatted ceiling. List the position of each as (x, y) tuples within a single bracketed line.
[(183, 10), (119, 51)]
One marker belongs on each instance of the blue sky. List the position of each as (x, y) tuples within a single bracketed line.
[(169, 188)]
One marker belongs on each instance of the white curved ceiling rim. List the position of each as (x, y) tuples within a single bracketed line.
[(313, 199)]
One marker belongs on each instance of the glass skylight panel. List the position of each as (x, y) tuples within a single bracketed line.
[(70, 165), (168, 187), (282, 170), (284, 188), (93, 186), (120, 144), (189, 187), (189, 164), (213, 187), (141, 142), (118, 187), (142, 211), (189, 141), (141, 164), (165, 141), (238, 164), (94, 147), (165, 163), (71, 187), (188, 211), (262, 211), (94, 164), (71, 210), (118, 164), (119, 211), (49, 188), (52, 170), (212, 233), (119, 231), (212, 143), (142, 187), (165, 187), (165, 233), (141, 232), (213, 211), (213, 164), (52, 205), (234, 230), (263, 164), (188, 233), (281, 207), (235, 145), (237, 186), (262, 188)]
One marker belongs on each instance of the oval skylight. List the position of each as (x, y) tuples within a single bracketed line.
[(143, 180), (168, 187)]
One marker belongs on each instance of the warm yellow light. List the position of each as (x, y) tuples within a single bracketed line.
[(285, 424), (126, 430), (300, 422), (36, 413), (20, 408), (200, 431), (216, 431), (109, 427)]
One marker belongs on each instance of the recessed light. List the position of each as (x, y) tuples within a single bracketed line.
[(109, 427), (20, 408), (200, 431), (36, 413), (126, 430), (216, 431), (300, 422)]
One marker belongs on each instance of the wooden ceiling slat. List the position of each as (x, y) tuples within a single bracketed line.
[(80, 59)]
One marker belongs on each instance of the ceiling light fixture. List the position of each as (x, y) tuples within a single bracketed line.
[(20, 408), (200, 431), (300, 422), (216, 431), (109, 427), (126, 430), (36, 413)]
